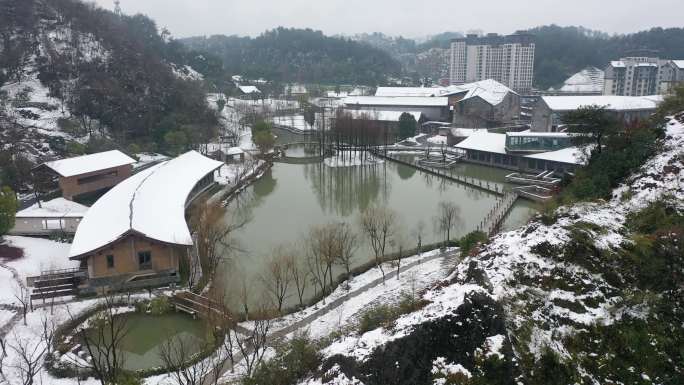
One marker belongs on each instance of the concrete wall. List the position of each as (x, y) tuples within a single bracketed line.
[(477, 113), (76, 185), (125, 251), (35, 226)]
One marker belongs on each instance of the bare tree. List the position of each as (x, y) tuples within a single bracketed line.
[(322, 252), (348, 243), (448, 217), (213, 232), (175, 353), (419, 232), (21, 293), (103, 341), (300, 276), (253, 345), (379, 226), (277, 278), (31, 352)]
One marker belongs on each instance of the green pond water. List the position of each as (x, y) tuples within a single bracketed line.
[(291, 198), (147, 333)]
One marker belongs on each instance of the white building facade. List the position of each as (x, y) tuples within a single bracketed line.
[(642, 76), (506, 59)]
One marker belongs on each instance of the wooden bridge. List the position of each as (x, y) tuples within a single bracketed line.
[(197, 305), (470, 182), (491, 223)]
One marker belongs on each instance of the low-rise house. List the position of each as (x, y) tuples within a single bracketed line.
[(433, 108), (250, 91), (89, 173), (534, 153), (136, 235), (483, 104), (55, 216), (548, 113)]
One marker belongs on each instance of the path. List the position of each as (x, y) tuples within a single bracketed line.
[(449, 256)]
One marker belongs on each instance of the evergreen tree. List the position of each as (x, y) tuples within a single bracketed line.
[(8, 210), (407, 125), (593, 123)]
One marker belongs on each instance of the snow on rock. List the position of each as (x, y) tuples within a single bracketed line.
[(441, 368)]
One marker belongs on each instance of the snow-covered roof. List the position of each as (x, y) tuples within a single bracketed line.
[(385, 116), (151, 202), (617, 64), (590, 79), (333, 94), (571, 155), (528, 133), (489, 90), (413, 101), (89, 163), (249, 90), (610, 102), (464, 132), (410, 91), (235, 151), (678, 63), (484, 141), (56, 208)]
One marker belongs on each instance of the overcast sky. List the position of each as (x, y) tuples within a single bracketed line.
[(410, 18)]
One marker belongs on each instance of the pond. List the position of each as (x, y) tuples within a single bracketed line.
[(147, 333), (289, 199)]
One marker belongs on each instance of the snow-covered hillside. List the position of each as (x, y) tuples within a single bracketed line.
[(529, 297)]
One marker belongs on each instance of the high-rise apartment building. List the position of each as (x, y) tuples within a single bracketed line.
[(641, 76), (506, 59)]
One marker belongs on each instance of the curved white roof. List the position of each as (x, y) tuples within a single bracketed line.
[(89, 163), (151, 202)]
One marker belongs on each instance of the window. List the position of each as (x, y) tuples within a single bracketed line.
[(110, 261), (145, 260), (54, 224)]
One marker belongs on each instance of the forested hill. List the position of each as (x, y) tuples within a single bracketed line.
[(300, 55), (71, 69), (563, 51)]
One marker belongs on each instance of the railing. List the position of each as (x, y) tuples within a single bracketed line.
[(493, 220)]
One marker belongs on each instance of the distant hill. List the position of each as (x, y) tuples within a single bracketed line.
[(70, 69), (299, 55), (563, 51)]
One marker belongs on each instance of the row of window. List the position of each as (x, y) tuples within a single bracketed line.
[(144, 260)]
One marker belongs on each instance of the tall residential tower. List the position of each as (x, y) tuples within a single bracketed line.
[(506, 59)]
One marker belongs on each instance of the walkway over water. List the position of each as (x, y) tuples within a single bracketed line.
[(470, 182)]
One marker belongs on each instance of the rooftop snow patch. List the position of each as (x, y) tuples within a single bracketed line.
[(410, 91), (571, 155), (610, 102), (489, 90), (249, 90), (90, 163), (590, 79), (484, 141), (151, 202), (395, 101), (56, 208), (678, 63)]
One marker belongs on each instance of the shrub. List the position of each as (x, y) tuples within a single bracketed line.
[(658, 215), (9, 253), (160, 306), (75, 148), (293, 361), (378, 316), (470, 240), (550, 370)]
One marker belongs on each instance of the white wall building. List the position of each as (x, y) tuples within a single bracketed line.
[(641, 76), (506, 59)]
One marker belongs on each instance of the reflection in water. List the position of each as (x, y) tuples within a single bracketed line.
[(344, 190), (291, 198)]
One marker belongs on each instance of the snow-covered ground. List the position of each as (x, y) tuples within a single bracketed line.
[(437, 139), (232, 173), (296, 122)]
